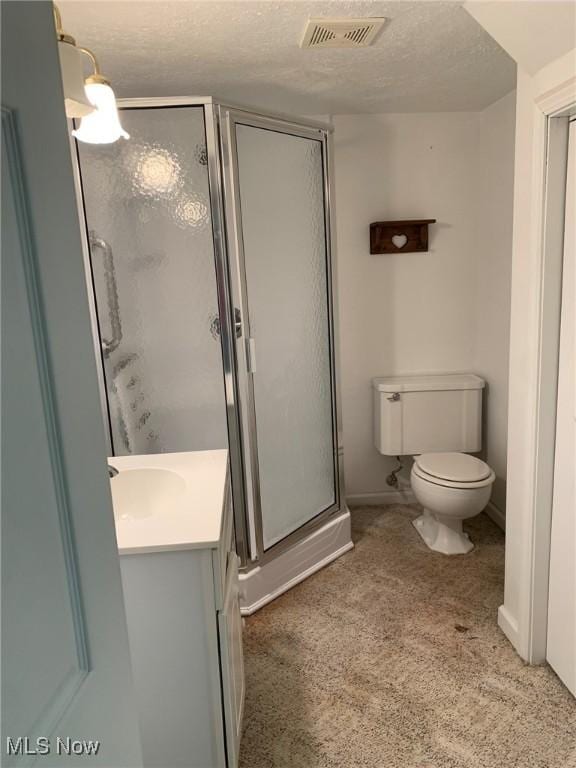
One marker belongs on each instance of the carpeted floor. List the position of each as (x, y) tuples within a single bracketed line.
[(391, 658)]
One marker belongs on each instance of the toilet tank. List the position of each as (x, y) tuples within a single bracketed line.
[(428, 414)]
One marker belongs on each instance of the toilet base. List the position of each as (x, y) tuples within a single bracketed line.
[(443, 535)]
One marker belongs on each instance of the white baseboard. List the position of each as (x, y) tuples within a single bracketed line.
[(393, 496), (496, 515), (263, 584)]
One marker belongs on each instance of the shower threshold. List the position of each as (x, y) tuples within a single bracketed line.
[(265, 583)]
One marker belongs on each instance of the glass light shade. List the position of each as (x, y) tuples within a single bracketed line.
[(75, 99), (103, 125)]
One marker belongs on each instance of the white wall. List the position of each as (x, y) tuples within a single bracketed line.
[(533, 32), (415, 312), (495, 192)]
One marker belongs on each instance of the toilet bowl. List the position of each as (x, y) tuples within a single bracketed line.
[(451, 487)]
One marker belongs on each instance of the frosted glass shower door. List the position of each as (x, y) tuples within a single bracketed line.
[(149, 223), (284, 270)]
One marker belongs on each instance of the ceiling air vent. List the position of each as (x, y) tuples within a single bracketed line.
[(341, 33)]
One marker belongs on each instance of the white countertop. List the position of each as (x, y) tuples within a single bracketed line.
[(170, 512)]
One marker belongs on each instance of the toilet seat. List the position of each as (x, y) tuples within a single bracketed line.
[(453, 470)]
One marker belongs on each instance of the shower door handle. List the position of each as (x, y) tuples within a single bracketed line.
[(95, 242), (251, 355)]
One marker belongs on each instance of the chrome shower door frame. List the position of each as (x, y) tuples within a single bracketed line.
[(229, 117), (230, 331)]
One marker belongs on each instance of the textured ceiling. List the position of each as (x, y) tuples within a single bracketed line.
[(431, 56)]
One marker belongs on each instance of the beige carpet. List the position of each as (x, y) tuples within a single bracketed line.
[(391, 658)]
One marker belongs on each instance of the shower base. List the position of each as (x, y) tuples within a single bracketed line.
[(264, 583)]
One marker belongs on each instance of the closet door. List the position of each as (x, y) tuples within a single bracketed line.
[(561, 646)]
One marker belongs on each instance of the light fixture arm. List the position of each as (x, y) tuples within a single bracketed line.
[(60, 34), (57, 19), (96, 76)]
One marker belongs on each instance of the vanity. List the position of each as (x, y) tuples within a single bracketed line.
[(174, 527)]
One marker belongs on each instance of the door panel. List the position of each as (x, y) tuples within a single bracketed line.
[(149, 222), (66, 670), (561, 644), (285, 277), (55, 660)]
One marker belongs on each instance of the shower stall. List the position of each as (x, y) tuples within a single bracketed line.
[(209, 264)]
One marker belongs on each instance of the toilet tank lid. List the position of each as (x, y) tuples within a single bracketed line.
[(427, 383)]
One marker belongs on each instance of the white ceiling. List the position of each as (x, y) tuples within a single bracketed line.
[(431, 56)]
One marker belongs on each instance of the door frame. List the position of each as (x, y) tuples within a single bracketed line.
[(561, 623), (229, 117), (527, 630)]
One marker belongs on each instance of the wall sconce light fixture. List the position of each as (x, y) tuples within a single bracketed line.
[(75, 100), (102, 126), (92, 99)]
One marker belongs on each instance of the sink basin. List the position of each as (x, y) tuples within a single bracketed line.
[(167, 502), (141, 493)]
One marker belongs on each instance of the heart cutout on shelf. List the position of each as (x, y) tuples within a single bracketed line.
[(399, 240)]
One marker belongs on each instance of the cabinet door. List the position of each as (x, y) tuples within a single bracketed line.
[(232, 662)]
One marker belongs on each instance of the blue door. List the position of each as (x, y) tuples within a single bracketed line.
[(67, 694)]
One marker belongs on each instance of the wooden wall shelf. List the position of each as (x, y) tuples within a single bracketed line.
[(399, 236)]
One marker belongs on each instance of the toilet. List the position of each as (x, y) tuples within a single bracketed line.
[(437, 419)]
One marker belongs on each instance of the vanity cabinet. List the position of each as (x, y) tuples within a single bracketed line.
[(185, 628)]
